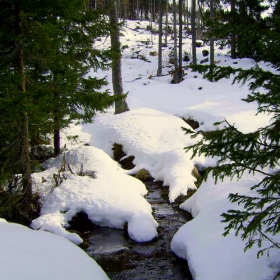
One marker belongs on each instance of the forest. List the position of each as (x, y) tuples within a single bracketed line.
[(51, 54)]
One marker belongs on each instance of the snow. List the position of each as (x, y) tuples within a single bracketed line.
[(31, 255), (155, 139), (200, 241), (111, 197)]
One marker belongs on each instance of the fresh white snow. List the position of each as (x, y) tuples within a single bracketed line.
[(152, 133), (31, 255), (110, 199)]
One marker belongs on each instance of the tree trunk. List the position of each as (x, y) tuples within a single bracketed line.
[(23, 130), (137, 9), (180, 69), (193, 16), (187, 12), (159, 71), (233, 36), (56, 135), (211, 35), (120, 105), (166, 23), (175, 79)]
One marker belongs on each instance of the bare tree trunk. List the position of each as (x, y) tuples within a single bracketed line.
[(120, 105), (56, 134), (233, 35), (187, 15), (166, 23), (159, 71), (175, 79), (137, 9), (151, 19), (211, 31), (180, 69), (193, 16), (175, 35), (23, 130)]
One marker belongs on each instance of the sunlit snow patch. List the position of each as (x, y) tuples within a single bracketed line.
[(155, 139), (111, 199), (34, 255)]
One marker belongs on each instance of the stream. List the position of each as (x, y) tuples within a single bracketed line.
[(123, 259)]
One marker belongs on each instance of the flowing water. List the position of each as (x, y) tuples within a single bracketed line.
[(123, 259)]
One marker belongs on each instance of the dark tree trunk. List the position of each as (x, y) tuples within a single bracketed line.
[(180, 69), (175, 79), (23, 128), (233, 35), (159, 71), (211, 31), (56, 136), (120, 105), (166, 23), (193, 16)]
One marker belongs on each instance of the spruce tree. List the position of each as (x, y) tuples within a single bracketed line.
[(255, 152), (46, 53), (242, 27)]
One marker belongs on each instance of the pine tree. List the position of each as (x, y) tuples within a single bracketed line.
[(243, 27), (255, 152), (46, 52)]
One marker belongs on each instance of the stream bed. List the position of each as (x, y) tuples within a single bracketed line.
[(123, 259)]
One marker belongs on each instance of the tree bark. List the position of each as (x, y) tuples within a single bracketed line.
[(233, 36), (175, 35), (211, 31), (175, 79), (180, 70), (23, 130), (193, 16), (159, 71), (56, 135), (166, 23), (120, 105)]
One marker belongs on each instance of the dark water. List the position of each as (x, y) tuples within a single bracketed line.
[(123, 259)]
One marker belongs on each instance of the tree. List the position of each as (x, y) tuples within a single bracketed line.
[(166, 22), (255, 152), (242, 27), (159, 71), (193, 28), (180, 69), (46, 51), (120, 105), (73, 56), (211, 31), (233, 35)]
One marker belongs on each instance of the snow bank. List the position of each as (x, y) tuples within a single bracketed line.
[(155, 139), (111, 199), (200, 241), (31, 255)]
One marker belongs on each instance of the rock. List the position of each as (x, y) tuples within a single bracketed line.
[(205, 52), (196, 174), (199, 43), (186, 58), (118, 152), (192, 123), (127, 163), (153, 53), (143, 175), (80, 223)]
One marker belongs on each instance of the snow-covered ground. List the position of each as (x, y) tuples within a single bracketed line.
[(31, 255), (151, 131)]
